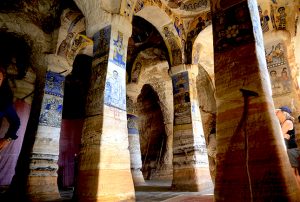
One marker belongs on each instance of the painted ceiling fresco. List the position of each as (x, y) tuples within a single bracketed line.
[(144, 36), (278, 15)]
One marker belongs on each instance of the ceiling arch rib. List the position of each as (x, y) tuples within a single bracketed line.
[(165, 27)]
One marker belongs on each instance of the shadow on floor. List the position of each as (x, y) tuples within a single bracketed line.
[(151, 191)]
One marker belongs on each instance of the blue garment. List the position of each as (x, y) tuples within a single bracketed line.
[(13, 119), (7, 110)]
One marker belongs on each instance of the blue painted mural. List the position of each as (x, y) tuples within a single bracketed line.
[(115, 91), (182, 103), (51, 113), (54, 84), (101, 42), (119, 52), (52, 104)]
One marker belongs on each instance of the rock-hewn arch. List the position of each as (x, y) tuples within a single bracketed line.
[(155, 73), (36, 39), (72, 37), (166, 28), (203, 56)]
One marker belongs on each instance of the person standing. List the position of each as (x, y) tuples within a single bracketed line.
[(288, 130), (7, 110)]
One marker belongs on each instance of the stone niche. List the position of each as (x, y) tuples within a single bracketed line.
[(152, 132)]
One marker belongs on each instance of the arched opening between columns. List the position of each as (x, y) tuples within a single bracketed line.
[(152, 132), (202, 55), (147, 58)]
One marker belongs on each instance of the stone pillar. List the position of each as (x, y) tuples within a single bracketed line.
[(104, 160), (190, 162), (42, 177), (166, 171), (252, 164), (134, 149)]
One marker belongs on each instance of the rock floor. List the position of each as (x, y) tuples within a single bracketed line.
[(150, 192)]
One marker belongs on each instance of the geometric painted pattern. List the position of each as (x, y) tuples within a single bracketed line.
[(51, 112), (52, 104), (54, 84)]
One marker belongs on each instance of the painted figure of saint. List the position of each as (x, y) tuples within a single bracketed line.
[(281, 18), (118, 51), (113, 90), (264, 19), (285, 80), (275, 80)]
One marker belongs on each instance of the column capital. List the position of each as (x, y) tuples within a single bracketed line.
[(96, 17), (122, 24), (58, 64)]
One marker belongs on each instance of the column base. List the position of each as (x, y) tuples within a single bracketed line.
[(165, 172), (192, 179), (105, 185), (42, 188), (137, 176)]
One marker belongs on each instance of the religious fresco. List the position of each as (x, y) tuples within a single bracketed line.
[(195, 27), (52, 104), (65, 45), (54, 84), (127, 8), (232, 27), (278, 69), (97, 84), (146, 58), (51, 112), (95, 93), (182, 103), (74, 39), (179, 27), (188, 5), (175, 34), (119, 51), (136, 70), (80, 41), (195, 5), (264, 19), (101, 42), (277, 15), (115, 87), (172, 44), (132, 124)]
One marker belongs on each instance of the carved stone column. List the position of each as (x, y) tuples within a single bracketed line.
[(190, 162), (252, 164), (134, 149), (104, 160), (134, 143), (42, 177)]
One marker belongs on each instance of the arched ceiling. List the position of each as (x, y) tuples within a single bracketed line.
[(144, 36), (187, 7), (203, 53)]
